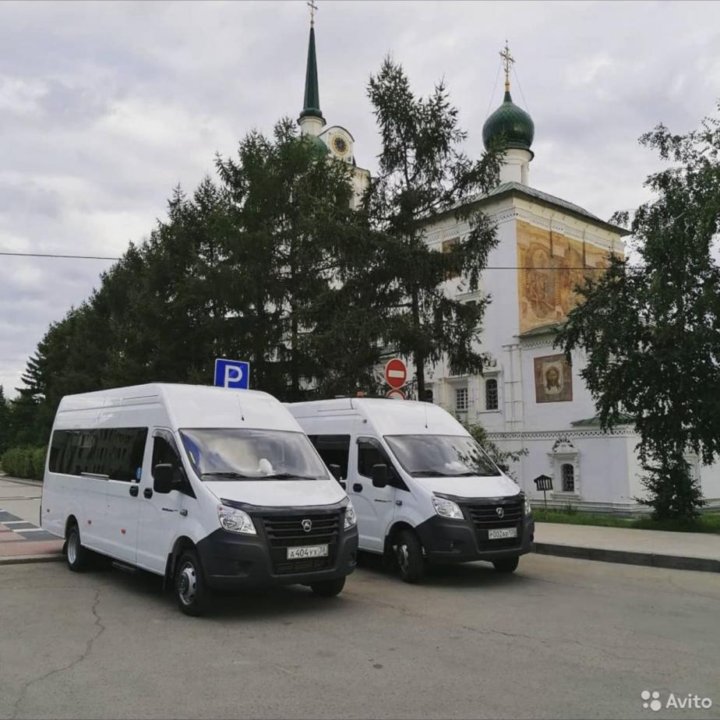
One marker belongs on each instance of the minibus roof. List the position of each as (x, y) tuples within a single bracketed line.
[(187, 406), (388, 417)]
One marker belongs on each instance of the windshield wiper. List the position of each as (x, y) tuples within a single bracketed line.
[(288, 476), (227, 474), (438, 473)]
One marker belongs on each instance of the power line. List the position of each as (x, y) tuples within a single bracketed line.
[(97, 257), (55, 256)]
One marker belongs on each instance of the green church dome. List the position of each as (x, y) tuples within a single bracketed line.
[(512, 122), (318, 145)]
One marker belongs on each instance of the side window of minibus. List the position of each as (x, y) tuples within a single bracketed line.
[(334, 450), (370, 453), (165, 452)]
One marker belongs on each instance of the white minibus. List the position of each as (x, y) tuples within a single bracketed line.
[(423, 489), (208, 487)]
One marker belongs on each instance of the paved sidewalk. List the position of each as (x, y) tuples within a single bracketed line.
[(21, 540), (676, 550)]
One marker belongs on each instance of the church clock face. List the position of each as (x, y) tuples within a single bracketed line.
[(340, 145)]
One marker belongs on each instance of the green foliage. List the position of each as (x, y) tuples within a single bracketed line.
[(423, 173), (502, 458), (651, 330), (705, 523), (24, 462), (268, 264)]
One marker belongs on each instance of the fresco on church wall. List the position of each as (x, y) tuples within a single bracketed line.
[(553, 379), (550, 268)]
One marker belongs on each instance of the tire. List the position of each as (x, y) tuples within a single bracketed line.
[(409, 557), (78, 557), (191, 592), (328, 588), (506, 565)]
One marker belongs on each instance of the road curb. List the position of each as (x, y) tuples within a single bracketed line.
[(671, 562), (22, 481), (22, 559)]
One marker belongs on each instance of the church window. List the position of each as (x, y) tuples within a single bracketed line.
[(461, 399), (568, 477), (452, 270), (491, 394)]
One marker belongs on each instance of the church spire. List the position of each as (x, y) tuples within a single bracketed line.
[(311, 119)]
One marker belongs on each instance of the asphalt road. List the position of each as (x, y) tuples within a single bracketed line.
[(560, 638)]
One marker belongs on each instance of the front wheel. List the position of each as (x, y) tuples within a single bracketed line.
[(77, 556), (190, 590), (409, 557), (328, 588), (506, 565)]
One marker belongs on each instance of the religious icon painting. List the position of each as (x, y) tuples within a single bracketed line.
[(553, 379)]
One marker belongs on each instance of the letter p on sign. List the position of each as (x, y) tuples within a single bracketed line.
[(232, 374)]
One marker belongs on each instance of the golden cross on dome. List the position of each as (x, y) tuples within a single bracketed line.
[(313, 9), (508, 60)]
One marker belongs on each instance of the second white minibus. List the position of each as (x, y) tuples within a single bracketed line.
[(423, 489)]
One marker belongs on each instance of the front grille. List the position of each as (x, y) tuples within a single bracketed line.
[(485, 517), (284, 531), (287, 531)]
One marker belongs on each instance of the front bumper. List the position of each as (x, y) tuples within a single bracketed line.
[(448, 541), (233, 561)]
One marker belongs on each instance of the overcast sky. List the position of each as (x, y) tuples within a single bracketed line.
[(105, 107)]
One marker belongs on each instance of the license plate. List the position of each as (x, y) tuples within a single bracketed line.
[(502, 533), (307, 551)]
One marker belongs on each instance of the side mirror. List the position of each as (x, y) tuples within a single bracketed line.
[(380, 475), (163, 478), (336, 471)]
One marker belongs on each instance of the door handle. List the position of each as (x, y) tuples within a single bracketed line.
[(183, 512), (147, 492), (134, 490), (357, 487)]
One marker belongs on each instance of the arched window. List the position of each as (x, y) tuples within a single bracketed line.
[(491, 395), (568, 477)]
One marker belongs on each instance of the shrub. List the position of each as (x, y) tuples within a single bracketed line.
[(24, 462)]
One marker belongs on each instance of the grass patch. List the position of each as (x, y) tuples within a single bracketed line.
[(707, 523)]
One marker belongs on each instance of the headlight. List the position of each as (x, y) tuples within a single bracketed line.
[(350, 517), (235, 520), (447, 508), (528, 508)]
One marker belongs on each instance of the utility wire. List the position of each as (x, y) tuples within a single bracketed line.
[(54, 255), (497, 75), (96, 257), (517, 77)]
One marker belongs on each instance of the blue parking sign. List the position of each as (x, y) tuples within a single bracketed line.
[(232, 374)]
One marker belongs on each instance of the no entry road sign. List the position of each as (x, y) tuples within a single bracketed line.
[(395, 373), (395, 394)]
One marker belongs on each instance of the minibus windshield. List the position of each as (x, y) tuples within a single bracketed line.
[(242, 454), (441, 456)]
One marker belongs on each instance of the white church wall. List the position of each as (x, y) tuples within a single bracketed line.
[(710, 484), (599, 462)]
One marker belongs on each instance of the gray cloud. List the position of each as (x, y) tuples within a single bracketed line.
[(105, 106)]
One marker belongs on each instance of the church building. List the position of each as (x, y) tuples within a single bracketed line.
[(529, 398)]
